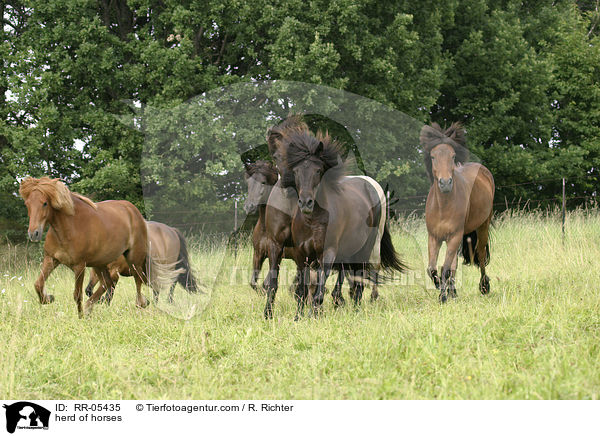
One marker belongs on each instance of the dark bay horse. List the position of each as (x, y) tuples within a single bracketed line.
[(459, 206), (260, 176), (340, 221), (83, 233), (281, 208), (166, 245)]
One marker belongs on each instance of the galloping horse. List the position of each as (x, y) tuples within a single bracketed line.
[(459, 206), (167, 246), (340, 221), (83, 233)]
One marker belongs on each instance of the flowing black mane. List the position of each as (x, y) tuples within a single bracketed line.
[(301, 146), (434, 135), (262, 167)]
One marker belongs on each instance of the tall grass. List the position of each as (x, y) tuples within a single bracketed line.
[(537, 335)]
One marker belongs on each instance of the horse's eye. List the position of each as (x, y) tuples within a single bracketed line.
[(45, 204)]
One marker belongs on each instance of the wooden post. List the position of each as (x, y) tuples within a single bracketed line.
[(564, 209), (235, 216), (387, 204)]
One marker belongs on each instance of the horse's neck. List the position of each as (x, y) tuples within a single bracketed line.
[(61, 225)]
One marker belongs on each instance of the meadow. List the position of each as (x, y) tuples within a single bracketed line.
[(536, 336)]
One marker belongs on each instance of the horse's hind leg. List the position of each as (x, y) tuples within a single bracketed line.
[(482, 240), (89, 289), (137, 272), (257, 261), (108, 296), (48, 265), (374, 293), (271, 281), (106, 283), (301, 291)]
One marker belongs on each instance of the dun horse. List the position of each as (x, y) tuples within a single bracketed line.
[(339, 222), (83, 233), (459, 206), (167, 246)]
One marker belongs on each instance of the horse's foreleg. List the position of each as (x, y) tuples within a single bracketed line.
[(48, 265), (323, 273), (114, 277), (447, 286), (374, 293), (257, 261), (79, 271), (482, 240), (270, 283), (358, 285), (433, 246), (300, 291), (336, 294)]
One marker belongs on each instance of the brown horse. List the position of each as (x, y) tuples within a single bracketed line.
[(280, 209), (340, 221), (83, 233), (167, 245), (260, 176), (459, 206)]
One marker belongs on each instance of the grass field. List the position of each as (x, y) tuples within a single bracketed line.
[(537, 335)]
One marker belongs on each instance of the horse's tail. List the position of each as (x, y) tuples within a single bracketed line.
[(390, 260), (469, 253), (186, 279), (161, 275)]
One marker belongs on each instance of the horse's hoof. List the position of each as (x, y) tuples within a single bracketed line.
[(484, 285), (268, 314), (443, 297), (48, 299), (452, 293), (374, 296), (87, 310), (142, 303)]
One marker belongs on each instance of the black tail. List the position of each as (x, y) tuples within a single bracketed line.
[(468, 250), (185, 279), (389, 257)]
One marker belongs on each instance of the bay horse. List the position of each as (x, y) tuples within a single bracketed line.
[(83, 233), (459, 206), (280, 208), (167, 245), (260, 176), (340, 221)]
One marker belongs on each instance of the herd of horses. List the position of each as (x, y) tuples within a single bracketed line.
[(310, 209)]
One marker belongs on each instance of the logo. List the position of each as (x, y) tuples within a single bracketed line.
[(26, 415)]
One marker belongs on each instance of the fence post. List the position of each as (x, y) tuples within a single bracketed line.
[(235, 235), (387, 204), (235, 217), (564, 207)]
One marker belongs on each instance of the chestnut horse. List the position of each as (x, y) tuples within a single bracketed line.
[(340, 221), (83, 233), (459, 206), (167, 245)]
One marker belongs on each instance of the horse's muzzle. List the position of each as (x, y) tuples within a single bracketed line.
[(306, 205), (35, 236), (445, 185)]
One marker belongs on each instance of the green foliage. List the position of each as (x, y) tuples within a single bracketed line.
[(522, 76)]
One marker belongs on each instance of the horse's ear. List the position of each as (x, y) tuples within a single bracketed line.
[(456, 132)]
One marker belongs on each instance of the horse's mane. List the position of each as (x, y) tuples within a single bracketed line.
[(56, 191), (301, 146), (434, 135), (292, 124), (262, 167)]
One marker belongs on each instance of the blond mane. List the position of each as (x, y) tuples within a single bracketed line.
[(56, 191)]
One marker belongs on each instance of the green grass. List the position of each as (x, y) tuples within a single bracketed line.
[(537, 335)]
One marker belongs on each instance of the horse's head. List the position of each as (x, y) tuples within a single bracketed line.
[(43, 197), (260, 177), (444, 151), (309, 158), (443, 163)]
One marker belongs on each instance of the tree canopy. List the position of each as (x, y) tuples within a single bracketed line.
[(523, 77)]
